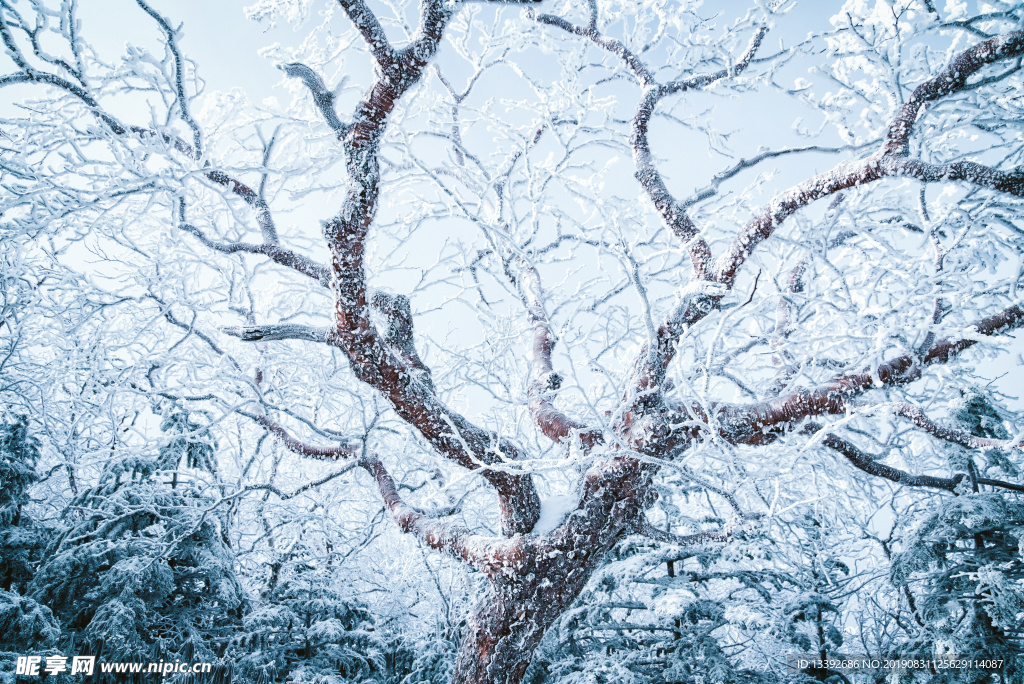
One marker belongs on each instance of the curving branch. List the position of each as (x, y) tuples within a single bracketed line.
[(890, 161), (322, 97), (762, 422), (869, 465), (255, 200), (369, 27), (456, 540), (322, 453), (171, 36), (453, 539), (965, 439), (696, 302), (555, 425), (612, 45), (673, 213), (952, 79), (397, 310), (279, 255), (371, 357)]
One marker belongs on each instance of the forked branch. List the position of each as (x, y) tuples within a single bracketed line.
[(555, 424), (890, 161), (758, 423), (871, 466)]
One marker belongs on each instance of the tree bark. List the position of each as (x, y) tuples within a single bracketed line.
[(532, 580)]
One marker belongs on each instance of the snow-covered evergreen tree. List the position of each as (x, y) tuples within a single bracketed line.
[(25, 625), (306, 631), (142, 570), (963, 563)]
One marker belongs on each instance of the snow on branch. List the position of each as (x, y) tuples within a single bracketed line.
[(280, 331), (373, 33), (373, 359), (322, 97), (555, 424), (322, 453), (181, 99), (646, 529), (869, 465), (279, 255), (759, 423), (890, 161), (962, 437), (453, 539), (456, 540)]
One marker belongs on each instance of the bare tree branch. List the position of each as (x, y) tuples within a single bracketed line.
[(279, 255), (322, 453), (371, 358), (450, 538), (373, 33), (890, 161), (759, 423), (962, 437), (553, 423), (870, 466), (322, 97), (280, 331)]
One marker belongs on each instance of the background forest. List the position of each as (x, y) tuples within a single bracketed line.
[(580, 341)]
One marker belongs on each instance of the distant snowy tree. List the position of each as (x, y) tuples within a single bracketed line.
[(27, 627), (305, 631), (141, 570), (21, 539)]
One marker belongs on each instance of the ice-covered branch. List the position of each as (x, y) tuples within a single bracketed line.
[(693, 303), (890, 161), (322, 97), (397, 310), (322, 453), (646, 529), (965, 439), (280, 331), (255, 200), (555, 424), (869, 465), (371, 357), (171, 36), (758, 423), (369, 27), (450, 538), (277, 254), (672, 212), (612, 45), (950, 80)]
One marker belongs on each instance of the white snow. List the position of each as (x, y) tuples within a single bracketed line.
[(553, 511)]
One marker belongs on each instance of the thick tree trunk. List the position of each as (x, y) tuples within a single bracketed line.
[(510, 620), (533, 580)]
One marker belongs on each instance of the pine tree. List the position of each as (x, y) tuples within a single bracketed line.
[(27, 627), (963, 562), (306, 631), (142, 570)]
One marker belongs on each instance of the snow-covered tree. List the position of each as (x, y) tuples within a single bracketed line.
[(27, 626), (305, 631), (141, 568), (544, 281)]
